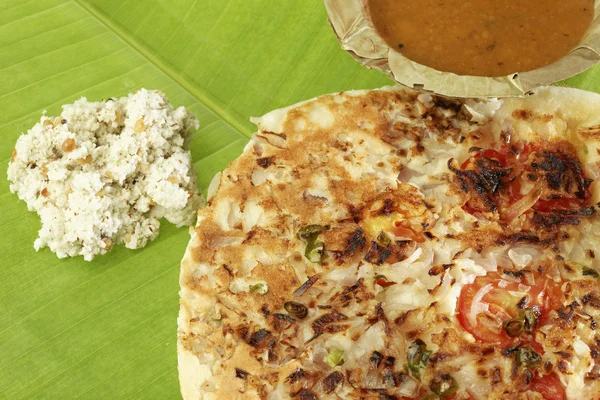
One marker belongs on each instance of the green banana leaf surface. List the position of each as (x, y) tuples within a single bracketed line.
[(70, 329)]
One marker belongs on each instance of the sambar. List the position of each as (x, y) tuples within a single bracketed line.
[(482, 37)]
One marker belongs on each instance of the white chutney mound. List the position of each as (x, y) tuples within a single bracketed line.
[(104, 173)]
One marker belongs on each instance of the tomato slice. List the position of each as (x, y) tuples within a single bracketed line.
[(484, 295), (484, 305), (502, 157), (548, 386), (517, 159), (407, 233), (495, 155), (384, 282), (563, 203), (489, 153), (513, 189)]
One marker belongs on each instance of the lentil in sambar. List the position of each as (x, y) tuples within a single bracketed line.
[(482, 37)]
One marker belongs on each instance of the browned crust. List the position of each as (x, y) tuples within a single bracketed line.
[(256, 335)]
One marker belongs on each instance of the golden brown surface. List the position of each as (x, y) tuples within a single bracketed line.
[(371, 169), (482, 37)]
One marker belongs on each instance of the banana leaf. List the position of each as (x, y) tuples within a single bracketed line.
[(70, 329)]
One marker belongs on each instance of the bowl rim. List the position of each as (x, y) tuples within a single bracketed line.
[(350, 20)]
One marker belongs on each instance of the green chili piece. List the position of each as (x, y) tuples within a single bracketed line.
[(586, 271), (309, 233), (383, 239), (335, 358), (259, 288), (315, 251), (417, 357), (530, 320), (528, 357), (513, 327), (296, 309), (526, 321), (443, 385)]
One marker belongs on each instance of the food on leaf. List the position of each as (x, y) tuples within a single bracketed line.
[(105, 173)]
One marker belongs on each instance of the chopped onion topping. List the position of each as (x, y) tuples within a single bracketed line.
[(524, 204), (477, 306)]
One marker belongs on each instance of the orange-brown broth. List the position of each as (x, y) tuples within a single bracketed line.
[(482, 37)]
